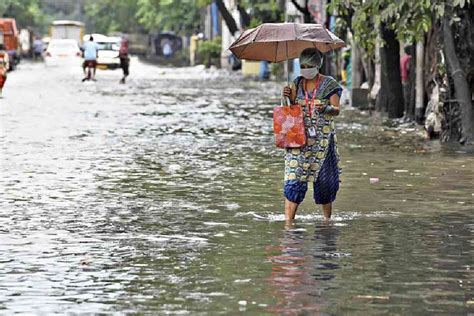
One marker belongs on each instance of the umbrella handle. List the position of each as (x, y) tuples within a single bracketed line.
[(285, 101)]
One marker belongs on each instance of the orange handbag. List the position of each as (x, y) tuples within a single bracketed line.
[(288, 125), (288, 122)]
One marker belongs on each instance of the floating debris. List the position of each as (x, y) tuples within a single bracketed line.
[(372, 297), (374, 180)]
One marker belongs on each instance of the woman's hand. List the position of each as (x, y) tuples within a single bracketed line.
[(319, 107), (331, 107), (334, 102), (287, 92)]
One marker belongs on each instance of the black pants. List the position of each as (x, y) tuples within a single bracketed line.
[(406, 96), (125, 64)]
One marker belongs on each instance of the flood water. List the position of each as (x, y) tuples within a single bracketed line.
[(165, 196)]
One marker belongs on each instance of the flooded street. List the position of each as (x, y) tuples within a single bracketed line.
[(165, 196)]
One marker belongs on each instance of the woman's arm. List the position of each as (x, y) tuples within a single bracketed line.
[(334, 102), (331, 108)]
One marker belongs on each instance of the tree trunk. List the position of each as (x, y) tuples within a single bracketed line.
[(412, 90), (364, 64), (390, 97), (420, 93), (228, 18), (357, 69), (307, 15), (375, 87), (462, 92)]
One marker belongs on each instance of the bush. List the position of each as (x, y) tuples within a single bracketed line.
[(278, 70), (210, 51)]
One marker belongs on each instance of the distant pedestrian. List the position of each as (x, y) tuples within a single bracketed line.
[(405, 64), (318, 161), (91, 51), (193, 45), (346, 60), (124, 59), (3, 67), (167, 50), (37, 48)]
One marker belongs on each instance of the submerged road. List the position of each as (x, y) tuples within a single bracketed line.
[(164, 195)]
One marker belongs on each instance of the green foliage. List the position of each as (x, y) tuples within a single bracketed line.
[(208, 50), (277, 70), (409, 19), (264, 11), (107, 16), (180, 16), (212, 48), (27, 13)]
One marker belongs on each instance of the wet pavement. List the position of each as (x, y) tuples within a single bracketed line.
[(165, 196)]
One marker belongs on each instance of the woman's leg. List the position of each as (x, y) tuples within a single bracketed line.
[(290, 210), (294, 194), (327, 209)]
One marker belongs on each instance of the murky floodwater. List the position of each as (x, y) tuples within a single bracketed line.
[(165, 196)]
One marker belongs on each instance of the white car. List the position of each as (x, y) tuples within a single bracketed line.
[(63, 52), (108, 55)]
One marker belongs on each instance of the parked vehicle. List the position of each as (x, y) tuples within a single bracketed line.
[(63, 52), (9, 38), (65, 29)]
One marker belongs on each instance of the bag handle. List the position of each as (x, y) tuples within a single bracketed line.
[(286, 101)]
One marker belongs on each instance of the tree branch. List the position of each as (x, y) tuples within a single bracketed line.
[(244, 15), (300, 8), (228, 18)]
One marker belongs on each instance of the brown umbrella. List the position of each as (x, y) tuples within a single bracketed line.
[(277, 42)]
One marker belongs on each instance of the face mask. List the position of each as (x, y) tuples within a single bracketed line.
[(309, 73)]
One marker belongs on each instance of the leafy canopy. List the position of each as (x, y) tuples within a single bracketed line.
[(408, 18), (180, 16), (26, 12), (107, 16)]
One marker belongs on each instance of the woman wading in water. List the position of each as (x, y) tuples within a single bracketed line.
[(318, 160)]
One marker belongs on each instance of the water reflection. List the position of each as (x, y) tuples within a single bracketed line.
[(302, 268), (324, 250)]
